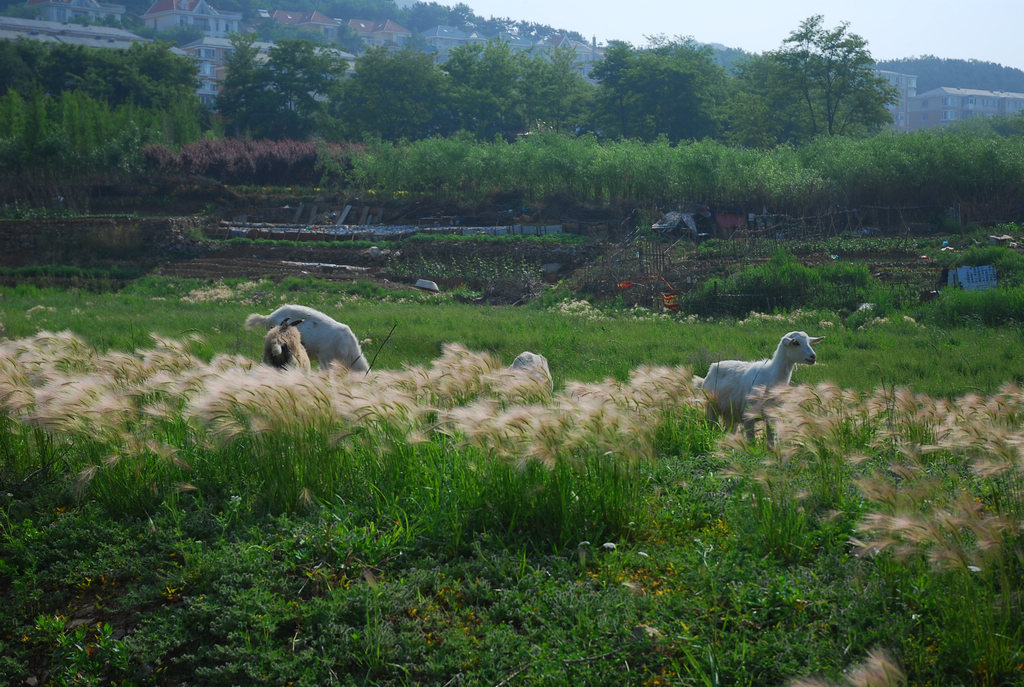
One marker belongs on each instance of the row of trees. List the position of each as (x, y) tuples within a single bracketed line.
[(147, 75), (820, 81)]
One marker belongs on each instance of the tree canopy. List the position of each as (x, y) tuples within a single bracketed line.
[(819, 82)]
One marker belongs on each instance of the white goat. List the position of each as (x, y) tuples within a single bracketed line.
[(730, 383), (282, 347), (535, 365), (325, 338)]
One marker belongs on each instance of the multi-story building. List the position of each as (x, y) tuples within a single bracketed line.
[(14, 28), (78, 10), (945, 105), (906, 87), (168, 14)]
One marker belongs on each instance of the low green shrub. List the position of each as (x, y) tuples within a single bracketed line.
[(992, 307)]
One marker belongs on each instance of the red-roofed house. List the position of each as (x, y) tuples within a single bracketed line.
[(314, 21), (167, 14), (386, 32), (69, 10)]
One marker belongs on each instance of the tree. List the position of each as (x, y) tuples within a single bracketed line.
[(762, 109), (283, 95), (392, 95), (554, 93), (672, 89), (245, 101), (821, 82), (301, 74), (484, 86), (21, 61)]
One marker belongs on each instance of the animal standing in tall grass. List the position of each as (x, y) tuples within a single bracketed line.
[(283, 349), (535, 365), (324, 338), (730, 383)]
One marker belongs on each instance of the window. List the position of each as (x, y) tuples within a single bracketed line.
[(924, 104), (948, 115), (949, 101)]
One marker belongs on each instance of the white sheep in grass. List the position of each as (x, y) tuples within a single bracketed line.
[(535, 365), (729, 383), (282, 347), (324, 338)]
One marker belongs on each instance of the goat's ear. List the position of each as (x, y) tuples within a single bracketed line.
[(817, 339), (793, 341)]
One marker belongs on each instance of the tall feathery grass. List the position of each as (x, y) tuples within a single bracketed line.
[(935, 492), (928, 492), (462, 440)]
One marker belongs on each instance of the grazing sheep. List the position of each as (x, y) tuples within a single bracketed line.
[(729, 383), (282, 347), (535, 365), (325, 339)]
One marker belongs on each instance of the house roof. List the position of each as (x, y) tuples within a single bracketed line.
[(190, 6), (79, 3), (446, 32), (949, 90), (517, 41), (89, 5), (367, 26), (60, 32), (314, 17), (388, 26)]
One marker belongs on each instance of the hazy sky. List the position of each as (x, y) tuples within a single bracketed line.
[(989, 30)]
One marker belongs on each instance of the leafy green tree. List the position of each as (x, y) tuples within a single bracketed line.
[(282, 96), (615, 103), (423, 16), (672, 89), (762, 110), (392, 95), (301, 74), (554, 92), (484, 86), (245, 101), (21, 61), (833, 72), (820, 82), (147, 75)]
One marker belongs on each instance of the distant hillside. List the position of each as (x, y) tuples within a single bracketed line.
[(417, 17), (727, 57), (934, 72)]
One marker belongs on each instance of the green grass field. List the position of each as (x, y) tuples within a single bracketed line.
[(172, 513)]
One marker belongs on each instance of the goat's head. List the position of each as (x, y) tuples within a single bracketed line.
[(797, 347)]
